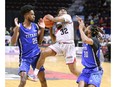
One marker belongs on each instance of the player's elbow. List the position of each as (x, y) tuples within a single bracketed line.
[(53, 41), (13, 43), (84, 41), (88, 42)]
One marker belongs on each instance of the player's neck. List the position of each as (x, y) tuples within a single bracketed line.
[(27, 24)]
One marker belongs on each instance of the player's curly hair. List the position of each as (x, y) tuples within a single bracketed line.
[(26, 8)]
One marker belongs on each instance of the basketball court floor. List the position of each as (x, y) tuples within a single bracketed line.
[(57, 73)]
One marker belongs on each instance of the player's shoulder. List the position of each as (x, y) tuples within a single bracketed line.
[(66, 15), (35, 25), (95, 39), (67, 18)]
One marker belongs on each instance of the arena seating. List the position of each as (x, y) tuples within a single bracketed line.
[(47, 6), (42, 7)]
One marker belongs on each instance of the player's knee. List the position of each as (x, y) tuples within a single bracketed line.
[(43, 54), (74, 71)]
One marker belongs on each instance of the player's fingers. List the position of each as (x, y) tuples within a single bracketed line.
[(78, 17), (78, 20), (40, 20), (16, 19), (48, 15), (16, 22)]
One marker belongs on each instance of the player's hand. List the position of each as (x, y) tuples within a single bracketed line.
[(81, 23), (41, 23), (16, 22)]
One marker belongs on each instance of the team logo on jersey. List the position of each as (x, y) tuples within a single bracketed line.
[(31, 35)]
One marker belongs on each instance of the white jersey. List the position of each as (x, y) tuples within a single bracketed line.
[(66, 33)]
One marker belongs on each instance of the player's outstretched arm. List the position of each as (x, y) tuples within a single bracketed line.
[(84, 38), (16, 32), (41, 24)]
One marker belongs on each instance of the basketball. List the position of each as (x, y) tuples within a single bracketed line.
[(48, 23)]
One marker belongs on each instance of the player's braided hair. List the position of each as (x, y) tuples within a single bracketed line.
[(26, 9), (94, 30)]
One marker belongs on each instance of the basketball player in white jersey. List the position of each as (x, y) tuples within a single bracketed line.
[(63, 41)]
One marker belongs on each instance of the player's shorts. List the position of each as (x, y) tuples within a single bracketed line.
[(67, 49), (90, 76), (25, 64)]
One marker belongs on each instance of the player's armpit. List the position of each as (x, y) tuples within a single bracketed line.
[(88, 41)]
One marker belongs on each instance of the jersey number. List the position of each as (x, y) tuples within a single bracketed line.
[(34, 40), (64, 31), (86, 54)]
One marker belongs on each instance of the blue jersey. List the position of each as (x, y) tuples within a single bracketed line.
[(91, 54), (28, 43)]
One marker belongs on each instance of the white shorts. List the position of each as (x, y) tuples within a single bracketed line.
[(67, 49)]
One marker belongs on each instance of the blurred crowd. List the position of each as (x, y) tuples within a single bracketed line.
[(98, 12)]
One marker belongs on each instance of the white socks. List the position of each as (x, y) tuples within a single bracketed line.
[(36, 71)]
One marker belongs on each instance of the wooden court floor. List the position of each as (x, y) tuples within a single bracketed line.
[(58, 74)]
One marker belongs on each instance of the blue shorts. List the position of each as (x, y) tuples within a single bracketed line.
[(91, 76), (25, 64)]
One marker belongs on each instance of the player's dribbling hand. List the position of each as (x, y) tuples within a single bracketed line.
[(41, 23), (16, 22), (81, 23)]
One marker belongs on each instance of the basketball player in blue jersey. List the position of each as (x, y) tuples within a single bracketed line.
[(29, 35), (92, 73)]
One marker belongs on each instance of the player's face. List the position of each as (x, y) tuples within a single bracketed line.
[(61, 12), (31, 16)]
